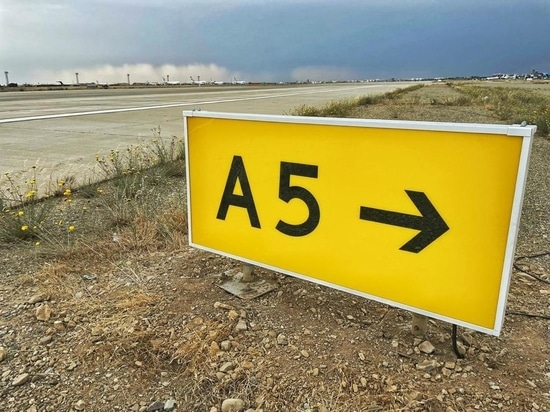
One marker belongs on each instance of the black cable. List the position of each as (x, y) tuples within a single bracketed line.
[(455, 345), (530, 315), (527, 272), (532, 256)]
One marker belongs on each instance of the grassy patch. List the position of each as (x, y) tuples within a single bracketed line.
[(341, 108), (446, 102), (137, 197), (512, 105)]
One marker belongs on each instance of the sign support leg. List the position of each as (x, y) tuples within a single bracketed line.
[(419, 324), (247, 285), (458, 354), (248, 273)]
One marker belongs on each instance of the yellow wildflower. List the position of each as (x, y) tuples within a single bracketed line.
[(67, 192), (37, 244), (71, 228), (24, 227), (20, 213)]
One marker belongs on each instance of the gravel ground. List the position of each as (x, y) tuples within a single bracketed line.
[(143, 329)]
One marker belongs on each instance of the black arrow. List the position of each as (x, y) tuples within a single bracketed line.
[(430, 223)]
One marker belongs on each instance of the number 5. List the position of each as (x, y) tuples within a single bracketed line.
[(287, 193)]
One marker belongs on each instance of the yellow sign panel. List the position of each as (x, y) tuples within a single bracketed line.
[(422, 216)]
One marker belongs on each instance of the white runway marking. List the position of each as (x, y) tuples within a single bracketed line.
[(164, 106)]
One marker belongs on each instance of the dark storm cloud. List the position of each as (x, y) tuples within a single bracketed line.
[(274, 39)]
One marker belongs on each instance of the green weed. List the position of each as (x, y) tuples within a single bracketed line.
[(125, 193), (512, 105)]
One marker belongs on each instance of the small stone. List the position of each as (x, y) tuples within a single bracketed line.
[(427, 365), (43, 312), (450, 365), (79, 406), (21, 379), (304, 353), (32, 408), (3, 353), (282, 339), (58, 325), (169, 405), (155, 406), (426, 347), (241, 325), (226, 345), (247, 364), (46, 339), (214, 348), (468, 338), (227, 366), (232, 405), (414, 396), (37, 298), (232, 314), (220, 305)]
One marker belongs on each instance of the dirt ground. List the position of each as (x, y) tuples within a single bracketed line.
[(110, 327)]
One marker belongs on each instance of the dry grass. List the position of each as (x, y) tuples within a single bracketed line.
[(472, 102), (100, 274)]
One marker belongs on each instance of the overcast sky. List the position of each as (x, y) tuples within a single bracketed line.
[(42, 41)]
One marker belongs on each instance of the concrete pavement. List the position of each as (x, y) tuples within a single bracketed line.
[(60, 132)]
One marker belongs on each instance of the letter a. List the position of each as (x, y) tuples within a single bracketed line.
[(237, 172)]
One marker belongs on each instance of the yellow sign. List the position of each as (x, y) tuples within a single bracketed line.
[(422, 216)]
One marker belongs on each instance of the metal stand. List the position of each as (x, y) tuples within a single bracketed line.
[(455, 344), (246, 285), (419, 325), (248, 273)]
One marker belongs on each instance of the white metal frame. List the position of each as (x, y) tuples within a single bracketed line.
[(525, 132)]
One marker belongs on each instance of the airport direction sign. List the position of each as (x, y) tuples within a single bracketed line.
[(419, 215)]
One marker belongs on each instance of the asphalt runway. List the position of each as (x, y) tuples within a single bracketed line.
[(60, 132)]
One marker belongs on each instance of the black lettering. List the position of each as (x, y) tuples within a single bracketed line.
[(229, 198), (288, 192)]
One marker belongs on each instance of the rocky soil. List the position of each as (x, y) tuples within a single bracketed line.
[(129, 329)]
